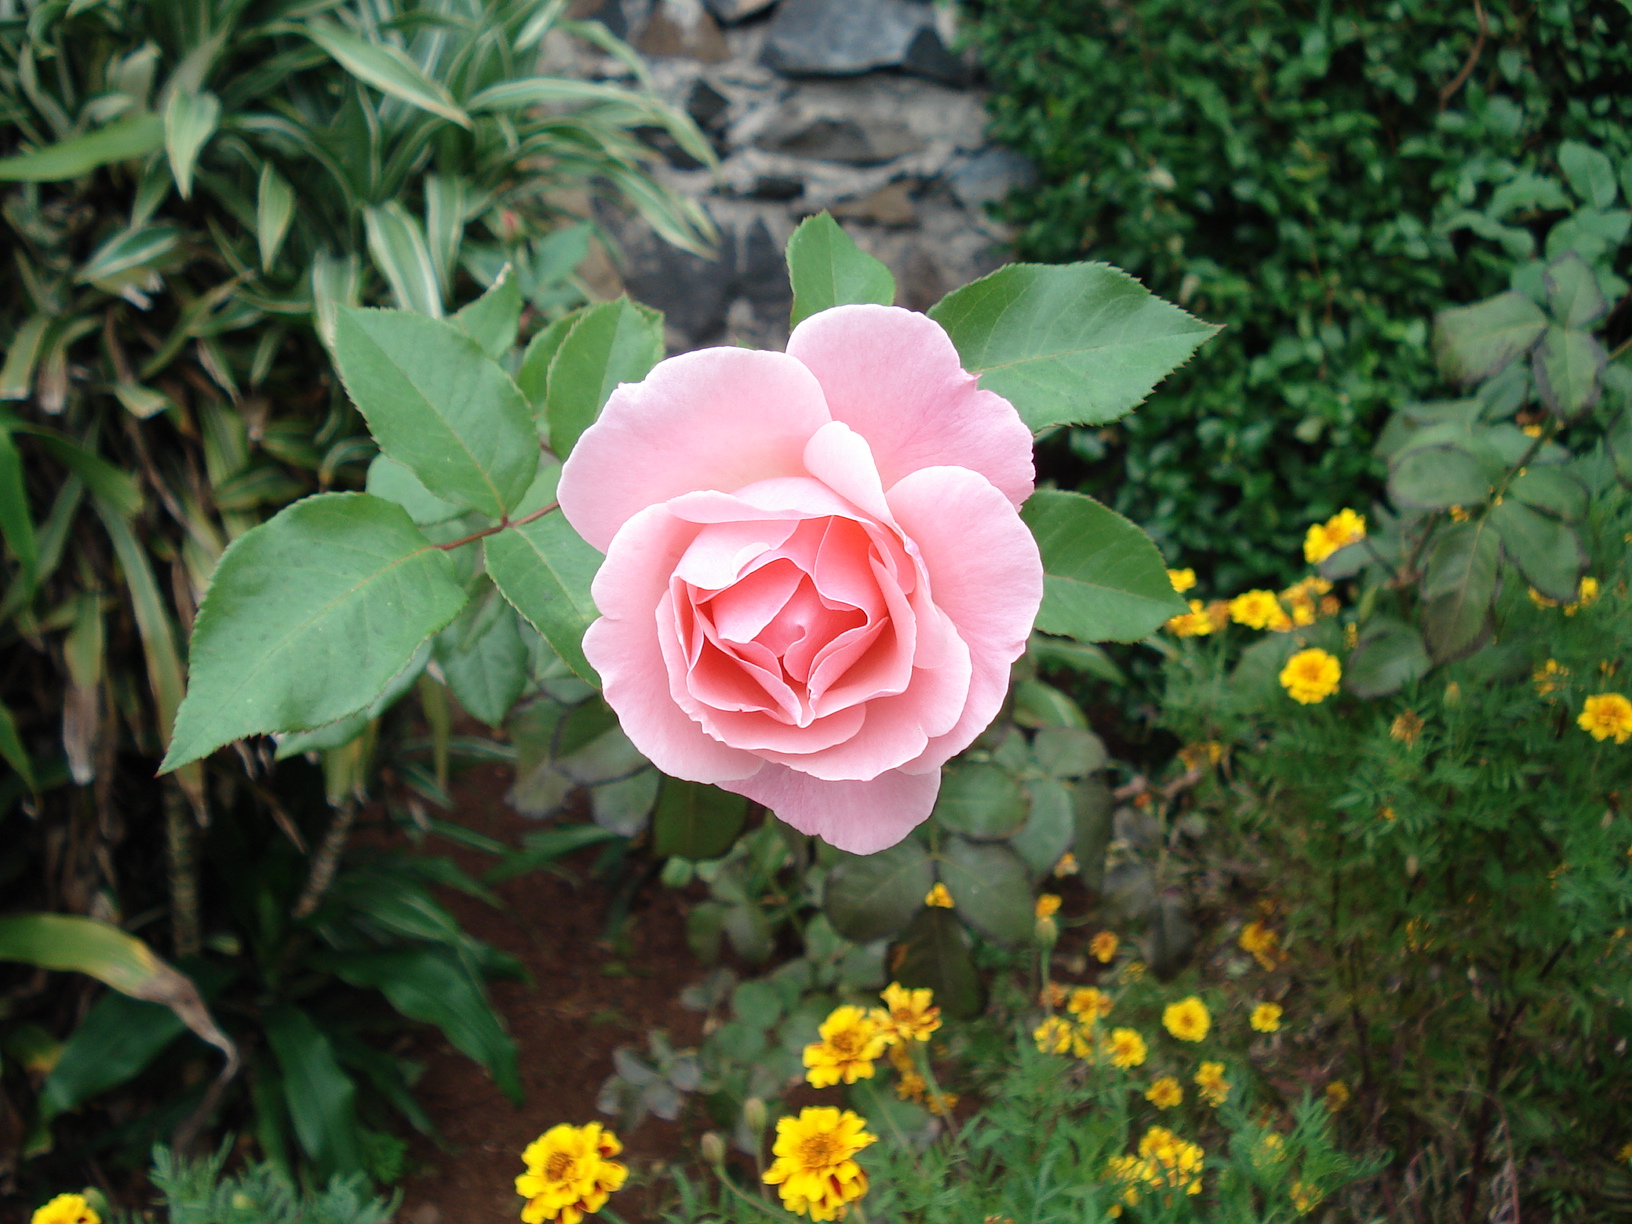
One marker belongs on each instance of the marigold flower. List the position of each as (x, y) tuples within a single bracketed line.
[(938, 896), (1261, 943), (1259, 610), (911, 1086), (1165, 1093), (66, 1209), (1323, 539), (1549, 677), (1605, 715), (1271, 1148), (1088, 1004), (569, 1173), (1057, 1035), (851, 1041), (1406, 727), (1311, 676), (1215, 1089), (1174, 1163), (1306, 1197), (1202, 752), (907, 1015), (1103, 947), (1182, 579), (1188, 1019), (1125, 1048), (1067, 866), (1585, 596), (1194, 623), (1337, 1095), (1053, 994), (1132, 971), (1266, 1017), (1047, 905), (815, 1170)]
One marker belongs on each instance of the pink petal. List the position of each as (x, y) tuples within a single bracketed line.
[(861, 817), (894, 377), (839, 457), (984, 573), (720, 418)]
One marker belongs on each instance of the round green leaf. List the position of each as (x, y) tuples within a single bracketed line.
[(873, 896), (696, 821), (980, 800), (990, 887)]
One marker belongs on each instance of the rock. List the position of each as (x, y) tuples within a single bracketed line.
[(707, 106), (682, 28), (919, 279), (774, 187), (927, 56), (608, 12), (890, 205), (733, 11), (853, 141), (990, 175), (843, 37)]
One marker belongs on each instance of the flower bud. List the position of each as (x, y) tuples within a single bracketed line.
[(753, 1113), (713, 1150)]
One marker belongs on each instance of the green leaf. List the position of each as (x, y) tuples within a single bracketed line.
[(389, 479), (118, 1038), (1388, 655), (124, 139), (1458, 587), (13, 751), (990, 887), (16, 520), (434, 986), (1473, 342), (189, 122), (488, 675), (274, 209), (126, 252), (492, 319), (308, 618), (1618, 437), (320, 1096), (873, 896), (544, 568), (1573, 294), (1092, 805), (1078, 344), (534, 375), (1433, 477), (387, 69), (440, 406), (343, 730), (1049, 827), (1548, 553), (1103, 579), (615, 342), (17, 375), (1076, 656), (1553, 491), (935, 954), (336, 282), (696, 821), (1589, 173), (1569, 367), (398, 247), (828, 269), (980, 800), (447, 204), (1068, 752)]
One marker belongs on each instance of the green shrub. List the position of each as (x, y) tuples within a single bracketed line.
[(1303, 175)]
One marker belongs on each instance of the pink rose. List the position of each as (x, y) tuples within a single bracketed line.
[(816, 575)]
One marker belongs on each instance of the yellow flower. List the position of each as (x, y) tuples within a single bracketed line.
[(1389, 815), (1311, 676), (1459, 514), (1132, 971), (1194, 623), (938, 896), (1165, 1093), (569, 1173), (1173, 1162), (1259, 610), (1586, 595), (1103, 946), (1188, 1019), (1057, 1035), (1530, 431), (1540, 600), (1261, 943), (1337, 1095), (1271, 1148), (1305, 1197), (1088, 1003), (1215, 1089), (1182, 579), (911, 1087), (1047, 905), (907, 1015), (1323, 539), (1406, 727), (1607, 714), (851, 1040), (1625, 1154), (1266, 1017), (1125, 1048), (1202, 752), (1067, 866), (1549, 677), (815, 1170), (66, 1209)]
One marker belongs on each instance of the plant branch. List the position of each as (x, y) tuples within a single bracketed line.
[(498, 527), (1456, 83), (327, 861)]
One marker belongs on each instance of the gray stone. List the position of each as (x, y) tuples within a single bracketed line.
[(707, 106), (989, 176), (927, 56), (843, 37), (732, 11), (853, 141), (890, 205), (682, 28)]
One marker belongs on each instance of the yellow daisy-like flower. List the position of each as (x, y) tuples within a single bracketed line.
[(1047, 905), (907, 1015), (1173, 1163), (1182, 579), (1103, 947), (570, 1173), (66, 1209), (1215, 1089), (1125, 1048), (1088, 1004), (911, 1086), (1067, 866), (1260, 943), (815, 1170), (1188, 1019), (1266, 1018), (1337, 1095), (1306, 1197), (1323, 539), (1406, 728), (1311, 676), (1259, 610), (1271, 1148), (1606, 715), (938, 897), (1585, 596), (1549, 677), (1165, 1093), (1057, 1035), (851, 1041), (1194, 623)]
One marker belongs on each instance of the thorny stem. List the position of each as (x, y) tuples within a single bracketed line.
[(498, 527), (326, 861), (184, 921)]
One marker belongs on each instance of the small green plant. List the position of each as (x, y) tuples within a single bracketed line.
[(201, 1192)]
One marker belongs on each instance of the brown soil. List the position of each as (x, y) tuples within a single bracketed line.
[(585, 998)]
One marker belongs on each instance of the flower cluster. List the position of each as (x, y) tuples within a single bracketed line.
[(815, 1169), (1261, 943), (1215, 1089), (570, 1173), (1164, 1162)]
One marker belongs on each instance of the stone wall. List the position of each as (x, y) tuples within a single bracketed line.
[(854, 106)]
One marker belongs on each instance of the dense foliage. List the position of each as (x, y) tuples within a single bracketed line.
[(1309, 176)]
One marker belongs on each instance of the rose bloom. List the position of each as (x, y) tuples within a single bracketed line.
[(816, 574)]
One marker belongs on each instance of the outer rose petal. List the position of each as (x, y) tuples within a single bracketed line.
[(984, 572), (861, 817), (894, 377), (719, 418)]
